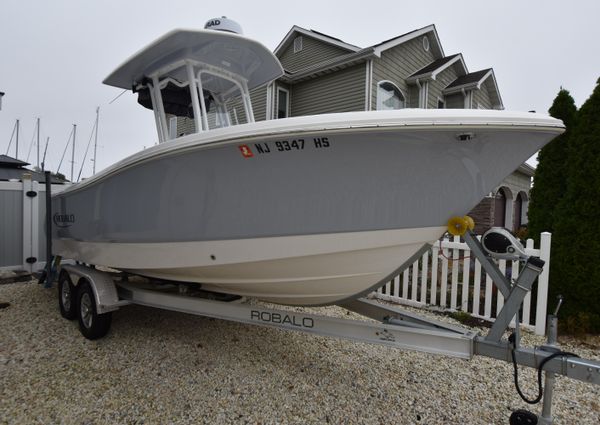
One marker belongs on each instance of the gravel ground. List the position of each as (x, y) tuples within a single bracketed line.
[(163, 367)]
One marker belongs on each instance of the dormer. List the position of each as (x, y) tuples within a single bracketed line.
[(471, 85), (431, 71)]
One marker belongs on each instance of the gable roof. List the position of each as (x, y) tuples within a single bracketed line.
[(356, 54), (377, 48), (9, 162), (474, 81), (296, 30), (327, 66), (437, 66), (393, 42), (526, 169)]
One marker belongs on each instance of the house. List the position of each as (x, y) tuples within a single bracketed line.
[(507, 205), (13, 169), (324, 74)]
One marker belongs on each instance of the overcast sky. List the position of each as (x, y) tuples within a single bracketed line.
[(54, 54)]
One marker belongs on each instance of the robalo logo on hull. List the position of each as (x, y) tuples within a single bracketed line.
[(63, 220)]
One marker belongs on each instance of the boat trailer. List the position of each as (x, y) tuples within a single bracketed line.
[(91, 295)]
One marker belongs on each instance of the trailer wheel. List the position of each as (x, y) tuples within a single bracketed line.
[(91, 324), (523, 417), (66, 297)]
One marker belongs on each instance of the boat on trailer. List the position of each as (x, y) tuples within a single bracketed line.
[(305, 210), (308, 210)]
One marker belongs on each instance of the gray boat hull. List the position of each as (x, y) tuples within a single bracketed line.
[(342, 187)]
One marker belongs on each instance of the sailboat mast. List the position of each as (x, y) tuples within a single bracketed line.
[(96, 138), (12, 135), (17, 146), (73, 153), (38, 143), (45, 150)]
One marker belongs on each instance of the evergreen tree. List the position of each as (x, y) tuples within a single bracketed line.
[(575, 269), (550, 176)]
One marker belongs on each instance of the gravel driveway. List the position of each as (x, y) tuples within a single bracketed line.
[(164, 367)]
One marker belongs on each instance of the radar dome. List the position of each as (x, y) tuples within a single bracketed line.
[(223, 24)]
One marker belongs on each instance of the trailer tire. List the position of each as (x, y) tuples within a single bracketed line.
[(66, 297), (91, 324), (523, 417)]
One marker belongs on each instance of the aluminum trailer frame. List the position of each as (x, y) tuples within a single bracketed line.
[(389, 326)]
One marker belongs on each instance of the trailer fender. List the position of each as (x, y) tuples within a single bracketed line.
[(103, 286)]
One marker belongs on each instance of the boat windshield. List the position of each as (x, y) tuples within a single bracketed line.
[(190, 97)]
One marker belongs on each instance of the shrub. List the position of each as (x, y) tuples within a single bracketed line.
[(575, 263)]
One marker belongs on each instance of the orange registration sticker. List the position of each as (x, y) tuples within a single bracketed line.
[(246, 151)]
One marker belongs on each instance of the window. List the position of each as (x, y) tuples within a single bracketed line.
[(518, 212), (389, 96), (426, 43), (283, 103), (298, 44), (500, 209)]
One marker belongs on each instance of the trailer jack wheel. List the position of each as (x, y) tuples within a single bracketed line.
[(66, 297), (523, 417), (91, 324)]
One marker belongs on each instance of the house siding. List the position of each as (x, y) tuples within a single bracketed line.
[(313, 52), (341, 91), (258, 97), (516, 182), (455, 101), (483, 215), (436, 87), (482, 97), (396, 64), (413, 96)]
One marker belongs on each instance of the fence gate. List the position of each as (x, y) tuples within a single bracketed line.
[(22, 224)]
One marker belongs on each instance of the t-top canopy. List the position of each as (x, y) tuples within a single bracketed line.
[(224, 50)]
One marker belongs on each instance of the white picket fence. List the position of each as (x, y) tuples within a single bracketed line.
[(447, 277)]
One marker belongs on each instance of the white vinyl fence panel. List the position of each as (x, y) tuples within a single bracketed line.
[(22, 224), (448, 277)]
